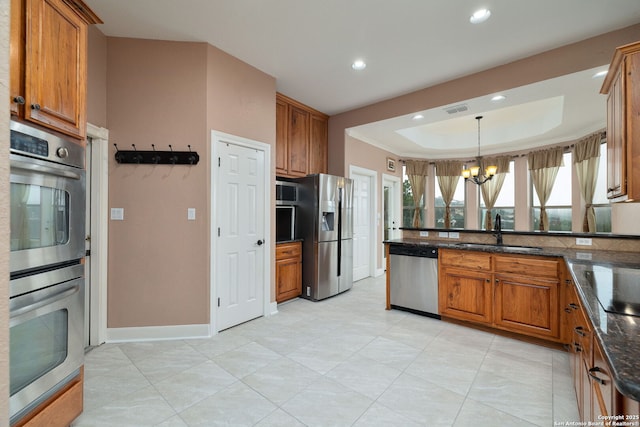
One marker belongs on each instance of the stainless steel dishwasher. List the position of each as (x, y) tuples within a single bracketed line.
[(413, 284)]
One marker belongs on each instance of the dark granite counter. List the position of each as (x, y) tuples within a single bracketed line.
[(618, 334)]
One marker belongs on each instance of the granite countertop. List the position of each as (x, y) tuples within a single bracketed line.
[(618, 334)]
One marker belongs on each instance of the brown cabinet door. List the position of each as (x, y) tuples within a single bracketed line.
[(318, 145), (465, 294), (616, 158), (55, 67), (282, 151), (602, 386), (16, 55), (298, 141), (528, 306), (289, 279)]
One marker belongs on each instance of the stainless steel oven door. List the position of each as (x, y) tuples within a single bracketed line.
[(46, 337), (47, 213)]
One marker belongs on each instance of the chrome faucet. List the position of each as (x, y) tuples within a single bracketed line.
[(497, 229)]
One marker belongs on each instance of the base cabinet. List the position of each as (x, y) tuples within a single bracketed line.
[(499, 291), (288, 271)]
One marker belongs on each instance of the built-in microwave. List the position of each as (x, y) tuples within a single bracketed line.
[(286, 193), (285, 223)]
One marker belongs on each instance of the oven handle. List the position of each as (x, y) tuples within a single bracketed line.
[(28, 166), (20, 310)]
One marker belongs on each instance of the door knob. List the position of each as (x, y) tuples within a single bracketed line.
[(260, 242)]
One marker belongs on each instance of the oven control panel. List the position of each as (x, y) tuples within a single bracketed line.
[(29, 144)]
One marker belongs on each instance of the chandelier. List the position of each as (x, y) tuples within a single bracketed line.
[(473, 173)]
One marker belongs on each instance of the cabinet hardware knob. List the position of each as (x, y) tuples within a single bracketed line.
[(19, 100), (579, 330), (574, 306), (592, 374), (35, 106)]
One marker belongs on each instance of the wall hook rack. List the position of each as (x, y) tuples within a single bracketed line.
[(157, 157)]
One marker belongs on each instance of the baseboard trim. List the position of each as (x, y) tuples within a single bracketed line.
[(157, 333)]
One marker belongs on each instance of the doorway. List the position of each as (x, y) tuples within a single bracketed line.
[(364, 222), (96, 230), (391, 210), (240, 227)]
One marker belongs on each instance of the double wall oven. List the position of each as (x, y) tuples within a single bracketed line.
[(47, 240)]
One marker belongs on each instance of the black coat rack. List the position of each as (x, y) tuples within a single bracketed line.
[(157, 157)]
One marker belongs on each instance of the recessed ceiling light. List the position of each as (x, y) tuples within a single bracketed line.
[(600, 74), (498, 98), (417, 117), (358, 65), (480, 16)]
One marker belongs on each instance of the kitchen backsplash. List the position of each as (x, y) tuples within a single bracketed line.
[(546, 241)]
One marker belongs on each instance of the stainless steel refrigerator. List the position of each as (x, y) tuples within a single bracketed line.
[(325, 222)]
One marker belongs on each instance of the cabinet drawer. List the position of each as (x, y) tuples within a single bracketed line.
[(465, 259), (540, 268), (288, 250)]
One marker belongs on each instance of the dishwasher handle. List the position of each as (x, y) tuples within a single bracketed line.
[(415, 251)]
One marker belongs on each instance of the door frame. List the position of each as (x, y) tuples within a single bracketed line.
[(395, 182), (98, 278), (373, 215), (218, 137)]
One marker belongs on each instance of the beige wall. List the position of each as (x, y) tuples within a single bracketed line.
[(361, 154), (171, 93), (97, 78), (4, 215)]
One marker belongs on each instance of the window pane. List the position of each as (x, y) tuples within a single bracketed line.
[(559, 219), (457, 206), (407, 203), (600, 194), (506, 214), (561, 193)]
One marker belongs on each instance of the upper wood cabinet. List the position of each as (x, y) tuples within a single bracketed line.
[(48, 51), (622, 87), (301, 139)]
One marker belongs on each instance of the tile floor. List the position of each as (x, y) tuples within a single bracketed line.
[(343, 361)]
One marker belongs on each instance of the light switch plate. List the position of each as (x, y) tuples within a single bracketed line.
[(191, 214), (117, 214), (454, 235), (584, 256), (444, 234), (424, 234)]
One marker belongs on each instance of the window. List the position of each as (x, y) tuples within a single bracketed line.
[(457, 206), (600, 202), (407, 203), (505, 205), (559, 203)]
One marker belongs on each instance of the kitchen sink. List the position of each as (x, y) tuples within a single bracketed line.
[(500, 248)]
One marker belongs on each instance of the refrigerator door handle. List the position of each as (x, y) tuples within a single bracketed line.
[(339, 231)]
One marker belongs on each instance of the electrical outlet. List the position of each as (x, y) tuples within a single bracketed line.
[(583, 241), (454, 235), (424, 234), (191, 214), (584, 256)]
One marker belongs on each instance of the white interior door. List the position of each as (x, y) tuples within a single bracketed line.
[(362, 222), (239, 267)]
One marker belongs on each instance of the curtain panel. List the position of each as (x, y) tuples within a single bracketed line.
[(448, 174), (491, 189), (417, 171), (543, 167), (586, 157)]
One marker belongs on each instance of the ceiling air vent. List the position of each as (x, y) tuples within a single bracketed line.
[(456, 108)]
